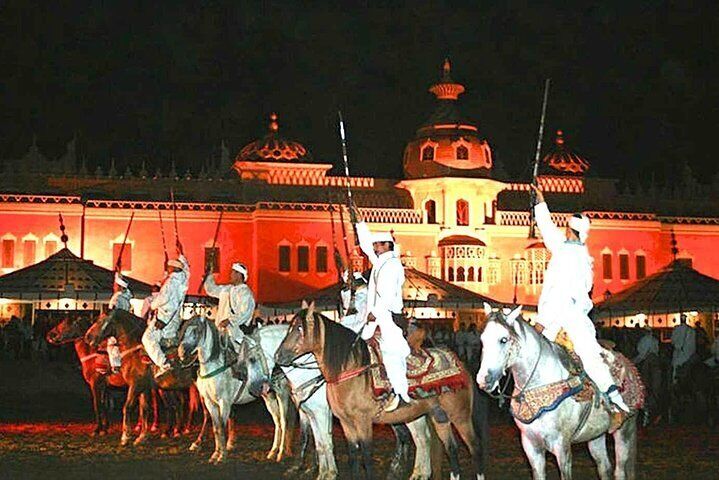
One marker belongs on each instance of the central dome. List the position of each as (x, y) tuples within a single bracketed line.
[(447, 144), (274, 148)]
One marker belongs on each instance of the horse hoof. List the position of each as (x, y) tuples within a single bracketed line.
[(154, 428), (176, 434), (140, 440), (124, 441), (102, 433), (271, 455), (186, 431), (231, 447), (164, 435), (194, 446), (94, 433)]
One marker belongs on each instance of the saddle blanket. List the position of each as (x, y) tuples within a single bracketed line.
[(430, 372), (537, 401)]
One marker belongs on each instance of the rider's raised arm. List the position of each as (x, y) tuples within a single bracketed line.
[(551, 235), (365, 241), (212, 288)]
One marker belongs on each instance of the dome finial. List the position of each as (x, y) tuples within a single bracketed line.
[(274, 126), (447, 67), (447, 89), (559, 141)]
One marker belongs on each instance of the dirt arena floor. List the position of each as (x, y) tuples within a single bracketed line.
[(45, 433)]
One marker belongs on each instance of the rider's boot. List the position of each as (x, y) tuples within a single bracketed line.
[(616, 399)]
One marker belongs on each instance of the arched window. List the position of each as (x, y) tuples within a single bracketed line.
[(462, 153), (470, 274), (450, 274), (460, 274), (428, 153), (479, 274), (430, 207), (462, 213)]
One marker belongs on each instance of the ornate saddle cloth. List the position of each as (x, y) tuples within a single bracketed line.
[(430, 372), (537, 401)]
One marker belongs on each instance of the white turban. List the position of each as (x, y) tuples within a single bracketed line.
[(175, 263), (580, 224), (382, 237), (240, 268), (120, 281)]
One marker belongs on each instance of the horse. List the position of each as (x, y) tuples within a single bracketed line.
[(128, 329), (219, 389), (694, 391), (509, 343), (73, 330), (345, 364), (309, 394)]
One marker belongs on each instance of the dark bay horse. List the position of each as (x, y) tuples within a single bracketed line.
[(73, 330), (345, 364), (128, 330)]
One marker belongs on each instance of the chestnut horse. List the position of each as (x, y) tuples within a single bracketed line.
[(73, 330), (345, 364), (128, 330)]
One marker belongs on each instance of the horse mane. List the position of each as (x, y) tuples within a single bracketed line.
[(339, 346), (134, 326)]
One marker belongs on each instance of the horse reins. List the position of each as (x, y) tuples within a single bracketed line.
[(502, 396)]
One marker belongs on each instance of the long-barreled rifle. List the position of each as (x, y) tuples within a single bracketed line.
[(118, 265), (174, 214), (210, 267), (164, 243), (351, 206), (340, 265), (537, 152)]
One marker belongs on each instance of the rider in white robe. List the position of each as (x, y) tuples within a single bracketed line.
[(146, 309), (168, 307), (236, 303), (354, 321), (565, 302), (121, 300), (647, 345), (384, 297), (684, 345)]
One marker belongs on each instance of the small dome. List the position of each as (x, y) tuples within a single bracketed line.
[(460, 240), (562, 159), (274, 148)]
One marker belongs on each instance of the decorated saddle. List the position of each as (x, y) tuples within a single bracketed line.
[(430, 372), (535, 402)]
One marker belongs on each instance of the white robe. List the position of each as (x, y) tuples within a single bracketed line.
[(384, 297), (168, 304), (356, 321), (564, 302), (236, 304), (647, 345), (684, 343), (120, 300)]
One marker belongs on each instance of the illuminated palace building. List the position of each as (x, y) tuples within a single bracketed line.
[(452, 215)]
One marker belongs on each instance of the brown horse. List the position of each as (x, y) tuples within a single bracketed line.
[(128, 329), (345, 364), (73, 330)]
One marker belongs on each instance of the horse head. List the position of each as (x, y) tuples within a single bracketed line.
[(191, 335), (500, 345), (68, 330), (301, 337)]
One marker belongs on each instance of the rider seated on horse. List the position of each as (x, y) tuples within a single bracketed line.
[(565, 302), (384, 306), (120, 299), (162, 329), (353, 309), (236, 306)]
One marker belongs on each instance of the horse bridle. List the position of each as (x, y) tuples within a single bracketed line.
[(502, 395)]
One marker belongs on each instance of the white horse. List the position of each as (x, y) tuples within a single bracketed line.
[(509, 343), (309, 393), (219, 389)]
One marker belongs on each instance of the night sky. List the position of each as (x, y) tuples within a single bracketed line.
[(634, 86)]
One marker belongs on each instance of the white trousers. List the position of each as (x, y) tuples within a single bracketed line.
[(113, 352), (151, 341), (395, 350), (583, 335)]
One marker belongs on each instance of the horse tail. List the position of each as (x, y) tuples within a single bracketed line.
[(480, 422)]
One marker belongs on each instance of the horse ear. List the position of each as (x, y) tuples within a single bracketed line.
[(304, 305), (514, 314), (487, 309), (311, 309)]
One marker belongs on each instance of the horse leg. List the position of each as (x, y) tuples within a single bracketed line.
[(142, 414), (305, 428), (197, 444), (444, 431), (422, 437), (126, 409), (535, 455), (97, 397), (563, 453), (218, 427), (461, 412), (403, 438), (179, 414), (231, 433), (625, 449), (598, 451), (273, 407), (321, 423), (155, 411), (194, 406)]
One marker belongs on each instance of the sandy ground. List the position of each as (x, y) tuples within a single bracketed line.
[(45, 426)]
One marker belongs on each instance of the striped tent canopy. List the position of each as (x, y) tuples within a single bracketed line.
[(675, 288), (65, 275)]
